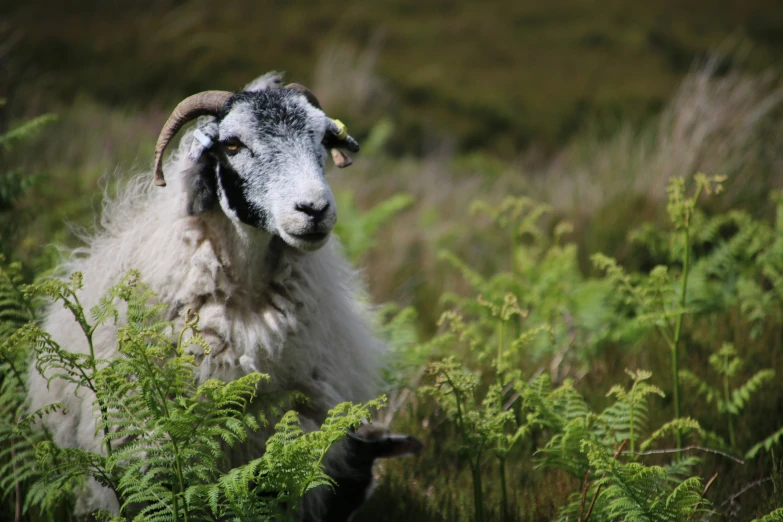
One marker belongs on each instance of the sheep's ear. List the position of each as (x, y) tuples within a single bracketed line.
[(200, 177), (384, 446), (204, 137), (397, 446), (269, 81), (337, 140)]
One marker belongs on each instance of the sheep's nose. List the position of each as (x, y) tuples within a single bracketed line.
[(316, 212)]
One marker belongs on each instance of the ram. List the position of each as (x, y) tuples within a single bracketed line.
[(241, 235)]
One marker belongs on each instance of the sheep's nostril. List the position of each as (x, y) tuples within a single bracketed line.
[(311, 209)]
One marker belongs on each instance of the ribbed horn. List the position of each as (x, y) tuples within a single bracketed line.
[(201, 104), (307, 93)]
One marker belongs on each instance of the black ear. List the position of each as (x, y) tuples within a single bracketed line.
[(397, 446), (337, 140), (200, 176), (383, 445), (201, 183)]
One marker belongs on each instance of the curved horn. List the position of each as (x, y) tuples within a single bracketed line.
[(307, 93), (203, 103)]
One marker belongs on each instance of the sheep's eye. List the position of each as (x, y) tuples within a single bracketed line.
[(232, 145)]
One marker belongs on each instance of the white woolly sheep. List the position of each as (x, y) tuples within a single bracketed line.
[(242, 236)]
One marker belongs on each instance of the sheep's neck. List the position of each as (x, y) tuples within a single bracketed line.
[(247, 253)]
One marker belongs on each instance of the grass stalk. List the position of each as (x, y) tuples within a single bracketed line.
[(503, 490), (675, 344), (502, 442), (678, 331), (726, 397), (478, 496)]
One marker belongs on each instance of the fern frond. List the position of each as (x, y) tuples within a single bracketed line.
[(682, 425), (774, 516), (633, 491), (741, 396), (702, 388), (358, 231), (26, 130), (766, 444)]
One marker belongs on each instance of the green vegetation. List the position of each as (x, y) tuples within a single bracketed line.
[(499, 408), (592, 332), (15, 183), (164, 439), (524, 404)]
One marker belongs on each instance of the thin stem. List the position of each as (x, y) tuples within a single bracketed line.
[(696, 511), (503, 491), (631, 423), (728, 413), (598, 489), (181, 479), (686, 448), (478, 497), (18, 485), (585, 483), (175, 502), (500, 354), (459, 406), (678, 327), (474, 467), (502, 441), (686, 259), (737, 494), (78, 310), (512, 260)]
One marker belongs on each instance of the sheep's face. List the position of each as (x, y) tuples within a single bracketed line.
[(270, 166)]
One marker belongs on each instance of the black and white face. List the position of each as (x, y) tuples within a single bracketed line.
[(270, 166)]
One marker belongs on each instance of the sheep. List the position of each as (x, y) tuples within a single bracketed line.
[(354, 483), (241, 236)]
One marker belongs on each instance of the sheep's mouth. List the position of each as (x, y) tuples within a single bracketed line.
[(306, 242), (312, 237)]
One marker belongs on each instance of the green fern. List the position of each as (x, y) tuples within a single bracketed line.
[(543, 276), (18, 432), (589, 446), (164, 437), (15, 308), (633, 491), (728, 399), (657, 300), (774, 516), (766, 444), (14, 184), (359, 231), (26, 130)]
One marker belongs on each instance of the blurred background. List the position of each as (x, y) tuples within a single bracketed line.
[(560, 95), (587, 107)]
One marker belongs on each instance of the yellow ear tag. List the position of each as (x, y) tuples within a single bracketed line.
[(343, 130)]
